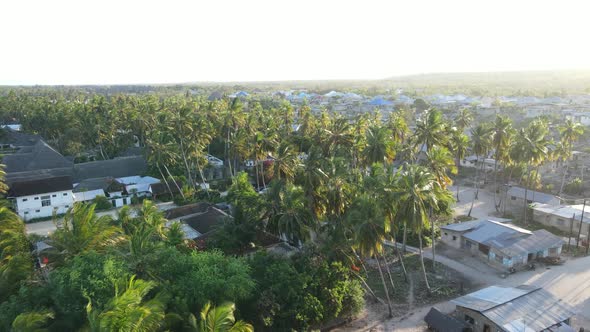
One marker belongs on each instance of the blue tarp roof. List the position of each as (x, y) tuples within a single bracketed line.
[(380, 102)]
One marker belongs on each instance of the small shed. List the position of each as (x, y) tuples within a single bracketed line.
[(440, 322)]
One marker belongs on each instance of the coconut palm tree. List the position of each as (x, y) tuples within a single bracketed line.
[(82, 230), (463, 119), (218, 319), (129, 310), (286, 163), (459, 144), (430, 130), (290, 215), (501, 138), (569, 132), (480, 144), (398, 127), (416, 194), (379, 148), (440, 162), (532, 149), (35, 321), (370, 229)]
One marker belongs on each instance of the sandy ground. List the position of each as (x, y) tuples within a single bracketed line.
[(45, 228), (569, 282)]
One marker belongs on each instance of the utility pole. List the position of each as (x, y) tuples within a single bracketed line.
[(569, 239), (580, 228)]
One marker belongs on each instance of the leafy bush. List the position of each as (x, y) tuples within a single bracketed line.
[(306, 291), (574, 187), (102, 203)]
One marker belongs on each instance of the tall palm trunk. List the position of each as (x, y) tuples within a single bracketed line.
[(175, 183), (405, 235), (526, 191), (496, 205), (422, 260), (262, 170), (164, 178), (565, 167), (203, 178), (433, 238), (458, 162), (388, 271), (401, 260), (385, 288)]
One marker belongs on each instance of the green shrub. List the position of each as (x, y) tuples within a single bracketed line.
[(102, 203)]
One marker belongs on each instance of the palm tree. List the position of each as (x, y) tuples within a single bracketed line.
[(460, 144), (218, 319), (379, 147), (430, 130), (129, 310), (441, 163), (480, 141), (569, 132), (416, 194), (371, 229), (501, 138), (82, 230), (532, 149), (398, 127), (286, 163), (290, 217), (35, 321), (463, 119)]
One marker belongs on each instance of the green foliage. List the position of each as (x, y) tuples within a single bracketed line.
[(102, 203), (90, 275), (35, 321), (198, 277), (302, 293), (575, 187)]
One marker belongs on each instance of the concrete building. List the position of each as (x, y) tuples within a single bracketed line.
[(42, 198), (560, 217), (501, 245), (516, 197), (514, 309)]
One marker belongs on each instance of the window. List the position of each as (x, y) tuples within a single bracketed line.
[(67, 206), (65, 194), (560, 221), (454, 238), (37, 210), (27, 212), (45, 201), (36, 198), (54, 195), (469, 319), (513, 198), (25, 199), (499, 258), (446, 233)]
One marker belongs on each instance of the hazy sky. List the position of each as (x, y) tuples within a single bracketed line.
[(122, 41)]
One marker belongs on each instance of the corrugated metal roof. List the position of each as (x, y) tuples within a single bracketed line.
[(538, 241), (532, 195), (518, 309), (462, 226), (489, 297), (490, 231), (534, 311), (565, 211)]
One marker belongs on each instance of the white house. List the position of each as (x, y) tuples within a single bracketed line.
[(43, 197), (138, 185)]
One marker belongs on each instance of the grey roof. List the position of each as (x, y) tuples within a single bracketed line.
[(538, 241), (537, 310), (17, 138), (518, 309), (40, 186), (488, 231), (462, 226), (532, 195), (104, 183), (41, 156), (117, 168), (438, 321)]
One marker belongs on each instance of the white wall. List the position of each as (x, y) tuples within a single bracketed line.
[(30, 207)]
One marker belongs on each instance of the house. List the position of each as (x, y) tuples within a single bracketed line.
[(513, 309), (516, 197), (31, 160), (202, 218), (440, 322), (42, 198), (560, 217), (137, 185), (160, 188), (500, 244), (87, 190), (15, 139)]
